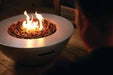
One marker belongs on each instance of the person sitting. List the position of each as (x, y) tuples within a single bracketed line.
[(94, 22)]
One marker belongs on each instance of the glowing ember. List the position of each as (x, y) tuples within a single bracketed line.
[(30, 25), (32, 28)]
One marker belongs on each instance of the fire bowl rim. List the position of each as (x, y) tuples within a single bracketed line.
[(64, 27)]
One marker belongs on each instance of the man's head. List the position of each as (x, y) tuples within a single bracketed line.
[(94, 19)]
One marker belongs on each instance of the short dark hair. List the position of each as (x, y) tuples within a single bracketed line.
[(98, 12)]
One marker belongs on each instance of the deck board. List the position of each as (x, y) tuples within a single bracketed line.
[(2, 69), (75, 40), (75, 51), (6, 62), (5, 71)]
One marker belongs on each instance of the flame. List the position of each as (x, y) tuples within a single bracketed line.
[(29, 24), (40, 20)]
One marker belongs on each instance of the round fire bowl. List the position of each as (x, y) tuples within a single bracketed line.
[(35, 51)]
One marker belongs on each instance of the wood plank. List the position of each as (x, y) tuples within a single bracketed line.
[(75, 41), (2, 69), (75, 51), (5, 71), (68, 56), (71, 53), (7, 62)]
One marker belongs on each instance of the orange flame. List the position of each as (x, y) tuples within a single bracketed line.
[(33, 25)]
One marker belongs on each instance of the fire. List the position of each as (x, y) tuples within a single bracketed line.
[(31, 25)]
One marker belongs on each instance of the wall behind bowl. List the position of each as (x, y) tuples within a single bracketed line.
[(69, 3), (25, 3)]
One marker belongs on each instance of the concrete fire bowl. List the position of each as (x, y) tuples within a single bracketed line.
[(35, 51)]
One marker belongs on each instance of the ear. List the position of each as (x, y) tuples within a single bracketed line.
[(76, 17), (80, 21), (83, 25), (84, 22)]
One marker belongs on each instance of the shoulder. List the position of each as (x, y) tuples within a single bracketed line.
[(98, 61)]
